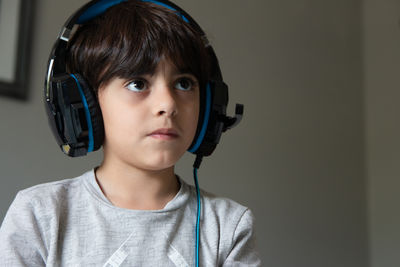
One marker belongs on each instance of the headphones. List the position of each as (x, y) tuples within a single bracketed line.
[(74, 113)]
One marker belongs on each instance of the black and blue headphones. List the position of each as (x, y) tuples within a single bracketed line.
[(73, 111)]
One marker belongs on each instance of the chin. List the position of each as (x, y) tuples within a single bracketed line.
[(161, 162)]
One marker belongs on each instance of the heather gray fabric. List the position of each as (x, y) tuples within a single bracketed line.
[(71, 223)]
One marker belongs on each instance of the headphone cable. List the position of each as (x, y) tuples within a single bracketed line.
[(196, 166)]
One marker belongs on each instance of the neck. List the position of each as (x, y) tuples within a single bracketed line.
[(130, 187)]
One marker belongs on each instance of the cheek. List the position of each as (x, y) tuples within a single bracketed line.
[(120, 123), (118, 120)]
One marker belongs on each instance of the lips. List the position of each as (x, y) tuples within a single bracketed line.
[(164, 134)]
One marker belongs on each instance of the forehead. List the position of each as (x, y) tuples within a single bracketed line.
[(164, 63), (167, 67)]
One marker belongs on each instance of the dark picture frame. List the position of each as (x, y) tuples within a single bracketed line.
[(15, 42)]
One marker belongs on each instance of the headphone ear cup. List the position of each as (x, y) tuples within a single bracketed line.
[(95, 113), (211, 124)]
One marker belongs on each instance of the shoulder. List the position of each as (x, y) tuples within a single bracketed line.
[(43, 206), (31, 223), (222, 206), (227, 227), (230, 216), (48, 195), (216, 204), (222, 211)]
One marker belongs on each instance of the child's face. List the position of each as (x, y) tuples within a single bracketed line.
[(150, 121)]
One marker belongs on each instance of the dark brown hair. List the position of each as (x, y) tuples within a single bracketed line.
[(130, 38)]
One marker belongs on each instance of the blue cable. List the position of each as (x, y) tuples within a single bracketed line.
[(198, 217)]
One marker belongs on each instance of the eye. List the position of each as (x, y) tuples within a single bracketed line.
[(184, 84), (137, 85)]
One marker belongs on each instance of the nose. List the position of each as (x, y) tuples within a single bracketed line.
[(164, 101)]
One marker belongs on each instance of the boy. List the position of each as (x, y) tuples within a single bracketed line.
[(148, 69)]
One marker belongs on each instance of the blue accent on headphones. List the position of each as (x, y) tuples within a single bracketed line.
[(98, 8), (87, 114), (199, 140), (102, 5), (167, 6)]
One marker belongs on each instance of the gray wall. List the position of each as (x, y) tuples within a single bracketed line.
[(297, 158), (382, 83)]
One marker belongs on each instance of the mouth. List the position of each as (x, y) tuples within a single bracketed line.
[(164, 134)]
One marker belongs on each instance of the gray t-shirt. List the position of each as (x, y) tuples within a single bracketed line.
[(71, 223)]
